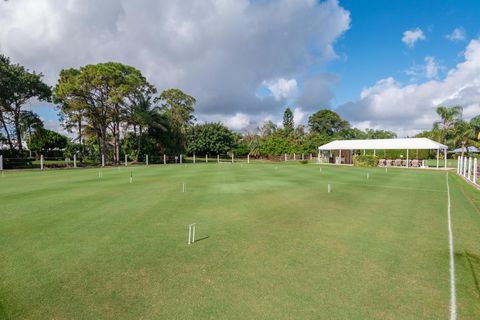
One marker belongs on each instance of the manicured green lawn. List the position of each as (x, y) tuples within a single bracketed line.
[(273, 244)]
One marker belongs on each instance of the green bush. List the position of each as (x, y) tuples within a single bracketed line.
[(365, 161), (303, 161)]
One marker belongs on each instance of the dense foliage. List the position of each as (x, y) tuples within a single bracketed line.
[(365, 160)]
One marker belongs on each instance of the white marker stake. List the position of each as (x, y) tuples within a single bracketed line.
[(146, 160), (191, 233), (1, 163), (126, 160), (183, 188), (329, 188), (103, 160), (206, 158), (194, 158), (218, 158), (248, 158), (164, 159), (41, 162), (475, 170), (75, 160)]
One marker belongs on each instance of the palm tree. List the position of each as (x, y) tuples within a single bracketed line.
[(143, 115), (29, 121), (449, 115)]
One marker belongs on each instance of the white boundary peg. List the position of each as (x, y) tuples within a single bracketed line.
[(126, 160), (285, 157), (218, 158), (1, 162), (164, 159), (469, 177), (329, 188), (206, 158), (248, 158), (303, 156), (232, 158), (146, 159), (464, 166), (75, 160), (294, 157), (181, 159), (103, 160), (41, 162), (191, 233), (184, 187), (194, 158), (475, 173)]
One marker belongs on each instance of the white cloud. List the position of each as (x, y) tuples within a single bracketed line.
[(412, 36), (458, 34), (409, 109), (219, 51), (282, 88), (298, 116), (429, 70)]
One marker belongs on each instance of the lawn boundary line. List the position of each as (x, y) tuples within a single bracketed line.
[(453, 297)]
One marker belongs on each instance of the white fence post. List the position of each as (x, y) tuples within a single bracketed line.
[(194, 158), (146, 159), (469, 177), (103, 160), (75, 160), (126, 160), (41, 162), (464, 166), (218, 158), (475, 173), (232, 157), (164, 159), (206, 158), (1, 162), (458, 166), (248, 158)]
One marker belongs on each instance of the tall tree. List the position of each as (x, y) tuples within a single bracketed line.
[(178, 107), (18, 86), (449, 116), (99, 94), (288, 124), (327, 122)]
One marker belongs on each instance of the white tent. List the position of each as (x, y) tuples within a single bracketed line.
[(387, 144)]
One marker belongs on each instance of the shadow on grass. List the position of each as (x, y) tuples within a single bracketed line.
[(204, 238), (473, 261)]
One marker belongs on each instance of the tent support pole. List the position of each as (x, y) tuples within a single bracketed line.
[(438, 157), (407, 158), (445, 152)]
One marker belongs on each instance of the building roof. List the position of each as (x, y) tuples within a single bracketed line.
[(383, 144), (470, 149)]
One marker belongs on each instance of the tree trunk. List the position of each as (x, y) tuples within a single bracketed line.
[(16, 120), (139, 144), (117, 141), (9, 138)]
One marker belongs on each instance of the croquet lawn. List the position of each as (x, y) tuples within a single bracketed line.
[(271, 243)]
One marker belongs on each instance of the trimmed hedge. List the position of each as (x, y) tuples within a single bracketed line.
[(365, 161)]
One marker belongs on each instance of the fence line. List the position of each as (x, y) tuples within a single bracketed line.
[(467, 167)]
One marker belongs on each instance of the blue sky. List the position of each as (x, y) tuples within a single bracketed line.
[(380, 64), (372, 48)]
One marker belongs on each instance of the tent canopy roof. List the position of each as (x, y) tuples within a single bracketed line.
[(467, 149), (383, 144)]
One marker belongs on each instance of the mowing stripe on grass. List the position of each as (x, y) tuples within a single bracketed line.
[(453, 298)]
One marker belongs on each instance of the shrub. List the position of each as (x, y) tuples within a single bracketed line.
[(303, 161), (365, 161)]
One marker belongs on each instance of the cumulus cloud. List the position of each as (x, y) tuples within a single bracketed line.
[(316, 92), (409, 109), (458, 34), (282, 88), (429, 70), (412, 36), (216, 50)]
